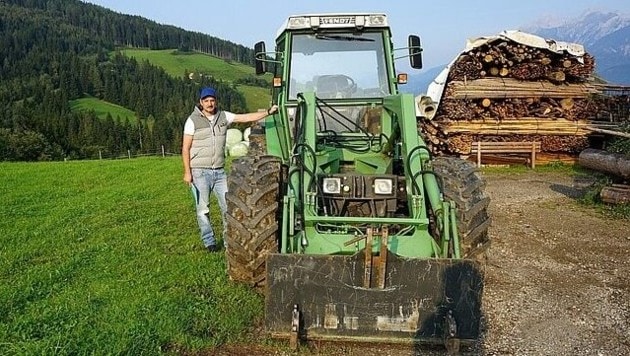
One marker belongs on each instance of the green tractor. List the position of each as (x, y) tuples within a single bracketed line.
[(345, 221)]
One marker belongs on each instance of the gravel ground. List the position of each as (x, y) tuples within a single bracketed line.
[(557, 277)]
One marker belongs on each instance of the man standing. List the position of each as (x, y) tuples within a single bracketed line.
[(203, 155)]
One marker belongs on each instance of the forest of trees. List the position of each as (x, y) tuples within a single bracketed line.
[(55, 51)]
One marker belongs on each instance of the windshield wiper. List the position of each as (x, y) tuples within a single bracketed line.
[(343, 38)]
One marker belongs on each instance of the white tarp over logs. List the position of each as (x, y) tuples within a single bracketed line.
[(436, 88)]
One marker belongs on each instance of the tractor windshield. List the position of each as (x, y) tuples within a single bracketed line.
[(338, 65)]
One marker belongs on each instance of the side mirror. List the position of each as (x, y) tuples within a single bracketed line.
[(415, 52), (259, 58)]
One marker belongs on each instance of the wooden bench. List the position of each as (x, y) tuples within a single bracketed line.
[(506, 147)]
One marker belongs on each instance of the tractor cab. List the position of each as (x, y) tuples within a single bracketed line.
[(347, 61)]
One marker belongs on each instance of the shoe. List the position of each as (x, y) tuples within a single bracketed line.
[(213, 248)]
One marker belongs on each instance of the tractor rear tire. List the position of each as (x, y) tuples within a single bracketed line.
[(252, 217), (461, 183)]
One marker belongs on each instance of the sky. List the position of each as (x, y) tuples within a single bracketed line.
[(443, 25)]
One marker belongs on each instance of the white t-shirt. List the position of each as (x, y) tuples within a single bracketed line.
[(189, 126)]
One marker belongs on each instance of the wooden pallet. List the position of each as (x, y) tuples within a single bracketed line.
[(531, 148)]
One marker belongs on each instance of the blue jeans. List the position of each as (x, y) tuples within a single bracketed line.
[(206, 181)]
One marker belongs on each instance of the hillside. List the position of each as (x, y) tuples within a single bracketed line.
[(192, 65), (59, 51)]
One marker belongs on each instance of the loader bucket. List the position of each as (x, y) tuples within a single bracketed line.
[(408, 300)]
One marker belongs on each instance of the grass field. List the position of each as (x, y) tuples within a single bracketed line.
[(102, 108), (179, 64), (104, 257)]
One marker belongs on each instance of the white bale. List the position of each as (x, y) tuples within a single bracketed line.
[(233, 136), (246, 134), (239, 149)]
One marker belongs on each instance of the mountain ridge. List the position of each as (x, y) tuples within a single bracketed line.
[(604, 34)]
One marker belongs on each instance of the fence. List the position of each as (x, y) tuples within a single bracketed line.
[(100, 155)]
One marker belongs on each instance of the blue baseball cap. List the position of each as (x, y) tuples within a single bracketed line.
[(207, 91)]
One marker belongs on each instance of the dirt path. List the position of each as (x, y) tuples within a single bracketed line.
[(557, 278)]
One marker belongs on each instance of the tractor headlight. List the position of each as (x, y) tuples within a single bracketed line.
[(331, 185), (383, 186)]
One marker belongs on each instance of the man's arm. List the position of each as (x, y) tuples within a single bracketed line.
[(186, 144), (255, 116)]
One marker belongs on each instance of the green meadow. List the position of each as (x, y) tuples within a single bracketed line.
[(178, 64), (102, 108), (104, 257)]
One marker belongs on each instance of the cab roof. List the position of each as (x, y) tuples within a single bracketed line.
[(333, 21)]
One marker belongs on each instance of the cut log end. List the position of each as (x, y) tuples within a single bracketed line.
[(618, 194), (557, 76)]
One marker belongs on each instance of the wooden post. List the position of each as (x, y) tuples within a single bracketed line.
[(533, 155), (367, 274), (479, 154), (162, 151), (382, 265)]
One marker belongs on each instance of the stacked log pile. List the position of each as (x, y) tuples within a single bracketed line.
[(614, 103), (507, 91)]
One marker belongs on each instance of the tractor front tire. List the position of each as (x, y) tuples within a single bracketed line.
[(252, 217), (461, 183)]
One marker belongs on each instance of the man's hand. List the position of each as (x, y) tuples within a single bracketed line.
[(272, 110), (188, 178)]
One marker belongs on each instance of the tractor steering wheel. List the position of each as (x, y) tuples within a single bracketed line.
[(330, 86), (351, 85)]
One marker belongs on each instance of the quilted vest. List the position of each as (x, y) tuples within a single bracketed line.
[(208, 145)]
